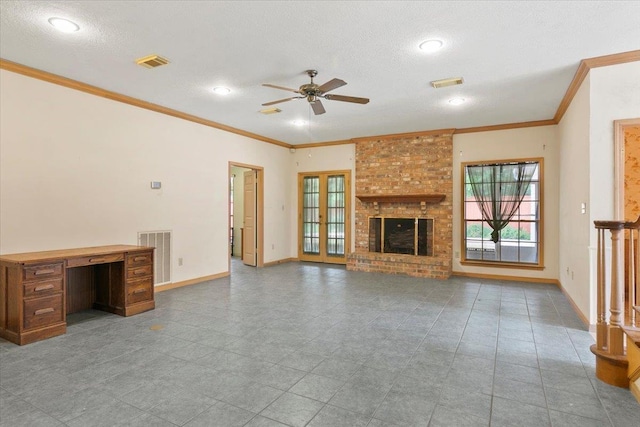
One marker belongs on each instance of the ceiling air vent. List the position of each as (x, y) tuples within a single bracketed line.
[(447, 82), (152, 61)]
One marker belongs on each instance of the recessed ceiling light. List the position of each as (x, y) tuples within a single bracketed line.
[(431, 45), (298, 122), (64, 25), (457, 101), (221, 90)]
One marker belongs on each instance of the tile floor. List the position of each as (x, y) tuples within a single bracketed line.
[(313, 345)]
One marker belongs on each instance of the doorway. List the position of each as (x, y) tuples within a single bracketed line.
[(246, 213), (324, 216)]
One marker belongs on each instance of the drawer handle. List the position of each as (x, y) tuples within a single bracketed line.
[(139, 291), (42, 272), (43, 288), (139, 258), (97, 260), (139, 271), (44, 311)]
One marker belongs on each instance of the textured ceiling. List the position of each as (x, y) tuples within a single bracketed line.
[(517, 58)]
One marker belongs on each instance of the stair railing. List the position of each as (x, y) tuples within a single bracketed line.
[(610, 351)]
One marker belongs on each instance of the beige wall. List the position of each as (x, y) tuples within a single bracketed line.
[(615, 95), (504, 145), (574, 246), (587, 171), (75, 171)]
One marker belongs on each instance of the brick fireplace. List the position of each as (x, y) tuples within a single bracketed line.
[(408, 178)]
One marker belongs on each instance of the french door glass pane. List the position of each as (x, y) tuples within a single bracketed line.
[(311, 215), (335, 215)]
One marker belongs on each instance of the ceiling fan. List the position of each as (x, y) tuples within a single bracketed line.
[(312, 92)]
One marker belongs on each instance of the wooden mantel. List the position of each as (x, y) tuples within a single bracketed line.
[(423, 199)]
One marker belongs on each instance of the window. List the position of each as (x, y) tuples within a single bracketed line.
[(502, 213)]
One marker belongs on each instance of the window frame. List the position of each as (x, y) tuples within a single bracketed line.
[(463, 239)]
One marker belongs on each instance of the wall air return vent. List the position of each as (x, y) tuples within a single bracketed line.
[(152, 61), (447, 82), (161, 240)]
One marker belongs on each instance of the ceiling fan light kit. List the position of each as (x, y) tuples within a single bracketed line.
[(313, 93)]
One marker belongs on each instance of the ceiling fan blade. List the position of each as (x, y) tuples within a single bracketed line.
[(280, 87), (331, 85), (347, 99), (279, 101), (317, 106)]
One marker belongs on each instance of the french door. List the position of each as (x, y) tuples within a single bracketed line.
[(323, 218)]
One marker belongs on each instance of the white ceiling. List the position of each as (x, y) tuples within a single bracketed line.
[(517, 58)]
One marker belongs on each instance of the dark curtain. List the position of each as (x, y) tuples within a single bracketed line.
[(499, 190)]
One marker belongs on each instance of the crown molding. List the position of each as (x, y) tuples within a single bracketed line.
[(506, 126), (93, 90), (324, 144), (404, 135), (583, 69), (581, 73)]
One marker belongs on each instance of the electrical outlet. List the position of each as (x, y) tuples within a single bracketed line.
[(273, 246), (457, 255), (571, 274), (180, 261)]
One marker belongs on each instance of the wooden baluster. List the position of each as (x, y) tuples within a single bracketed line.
[(616, 335), (601, 323)]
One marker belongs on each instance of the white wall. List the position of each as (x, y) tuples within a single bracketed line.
[(573, 133), (75, 171), (319, 159), (504, 145)]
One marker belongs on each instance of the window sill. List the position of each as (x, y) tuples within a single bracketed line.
[(496, 264)]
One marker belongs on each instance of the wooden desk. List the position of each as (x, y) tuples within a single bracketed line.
[(38, 289)]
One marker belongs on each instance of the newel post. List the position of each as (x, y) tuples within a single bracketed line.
[(611, 360)]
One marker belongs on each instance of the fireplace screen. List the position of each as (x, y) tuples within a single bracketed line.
[(411, 236)]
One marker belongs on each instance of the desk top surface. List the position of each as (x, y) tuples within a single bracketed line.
[(70, 253)]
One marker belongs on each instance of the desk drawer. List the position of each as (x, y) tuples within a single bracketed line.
[(139, 290), (43, 311), (42, 287), (139, 272), (95, 259), (142, 258), (39, 272)]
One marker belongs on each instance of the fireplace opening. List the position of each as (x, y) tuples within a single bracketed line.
[(410, 236)]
